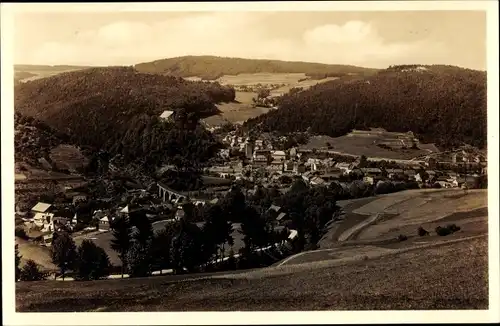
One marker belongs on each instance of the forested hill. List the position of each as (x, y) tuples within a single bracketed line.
[(212, 67), (105, 107), (441, 104)]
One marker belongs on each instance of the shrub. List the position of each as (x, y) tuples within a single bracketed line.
[(31, 272), (402, 237), (422, 232), (442, 231), (21, 233), (453, 228)]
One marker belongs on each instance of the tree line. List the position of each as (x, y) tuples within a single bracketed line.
[(445, 105), (185, 246)]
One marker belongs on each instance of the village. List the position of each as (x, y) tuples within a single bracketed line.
[(257, 163)]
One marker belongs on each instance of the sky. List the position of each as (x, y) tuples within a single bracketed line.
[(369, 39)]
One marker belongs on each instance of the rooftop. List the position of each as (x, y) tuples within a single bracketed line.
[(41, 207)]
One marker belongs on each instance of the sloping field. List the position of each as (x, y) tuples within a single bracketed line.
[(361, 145), (425, 208), (68, 157), (304, 84), (448, 276), (241, 109), (261, 78), (41, 255)]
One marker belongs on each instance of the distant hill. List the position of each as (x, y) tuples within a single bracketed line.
[(441, 104), (22, 67), (212, 67), (117, 109)]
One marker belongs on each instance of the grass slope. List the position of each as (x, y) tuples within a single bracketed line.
[(449, 276)]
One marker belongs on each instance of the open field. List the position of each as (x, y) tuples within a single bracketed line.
[(242, 109), (68, 157), (359, 145), (385, 217), (261, 78), (41, 255), (304, 84), (408, 280)]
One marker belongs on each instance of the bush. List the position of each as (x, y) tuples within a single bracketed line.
[(422, 232), (449, 229), (402, 237), (442, 231), (21, 233), (31, 272), (453, 228)]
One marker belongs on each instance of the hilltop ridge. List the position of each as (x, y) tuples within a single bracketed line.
[(213, 67)]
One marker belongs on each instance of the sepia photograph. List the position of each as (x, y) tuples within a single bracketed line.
[(249, 158)]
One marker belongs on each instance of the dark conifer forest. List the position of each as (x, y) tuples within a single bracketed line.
[(117, 109), (445, 105)]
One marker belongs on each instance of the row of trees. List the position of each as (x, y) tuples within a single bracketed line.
[(88, 261), (185, 245), (443, 105)]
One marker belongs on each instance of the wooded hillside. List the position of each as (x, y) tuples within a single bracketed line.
[(211, 67), (441, 104), (117, 108)]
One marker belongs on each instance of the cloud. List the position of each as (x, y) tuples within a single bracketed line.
[(226, 34)]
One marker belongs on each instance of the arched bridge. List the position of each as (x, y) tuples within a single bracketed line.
[(168, 194)]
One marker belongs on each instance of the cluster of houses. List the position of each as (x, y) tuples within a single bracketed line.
[(260, 156)]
